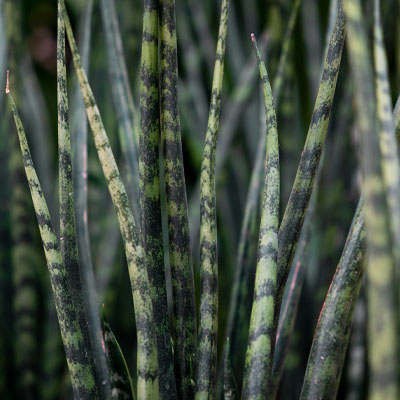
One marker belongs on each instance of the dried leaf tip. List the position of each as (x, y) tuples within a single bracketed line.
[(8, 82), (253, 38)]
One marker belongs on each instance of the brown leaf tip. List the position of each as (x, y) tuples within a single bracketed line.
[(8, 82), (253, 38)]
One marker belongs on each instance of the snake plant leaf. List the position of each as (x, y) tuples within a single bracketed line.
[(81, 372), (68, 240), (293, 217), (336, 316), (261, 343), (208, 320), (121, 381), (176, 202), (149, 173), (147, 352), (237, 314), (332, 333), (291, 298), (382, 354)]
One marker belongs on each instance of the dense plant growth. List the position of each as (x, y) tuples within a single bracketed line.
[(234, 295)]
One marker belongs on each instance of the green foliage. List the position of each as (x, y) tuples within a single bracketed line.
[(235, 293)]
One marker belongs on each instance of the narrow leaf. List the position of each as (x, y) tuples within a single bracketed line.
[(82, 377), (152, 235), (293, 218), (176, 202), (147, 351), (261, 343), (332, 333), (237, 313), (68, 243), (208, 329)]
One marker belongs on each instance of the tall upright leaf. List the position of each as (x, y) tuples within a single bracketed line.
[(176, 202), (147, 385), (81, 372), (261, 343), (237, 310), (293, 218), (208, 329), (149, 171), (331, 336), (382, 315), (68, 242)]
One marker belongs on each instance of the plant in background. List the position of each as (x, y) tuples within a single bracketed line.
[(194, 335)]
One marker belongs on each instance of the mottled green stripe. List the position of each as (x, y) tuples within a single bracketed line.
[(293, 290), (149, 172), (238, 313), (259, 354), (82, 378), (387, 137), (208, 322), (121, 381), (176, 201), (147, 370), (382, 326), (68, 243), (293, 218), (332, 333), (123, 102), (351, 266)]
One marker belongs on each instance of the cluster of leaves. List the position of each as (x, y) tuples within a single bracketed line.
[(193, 337)]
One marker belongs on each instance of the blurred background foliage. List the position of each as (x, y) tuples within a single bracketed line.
[(241, 113)]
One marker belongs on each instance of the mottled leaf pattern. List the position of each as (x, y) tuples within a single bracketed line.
[(180, 254), (82, 378), (207, 349), (147, 352)]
